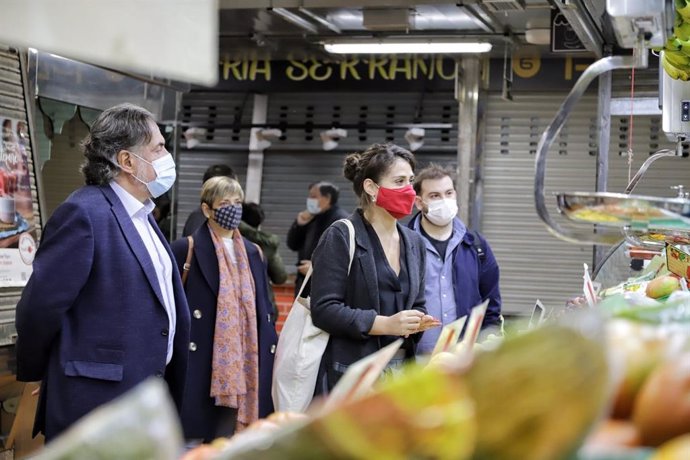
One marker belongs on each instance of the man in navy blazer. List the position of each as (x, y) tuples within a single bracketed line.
[(104, 308)]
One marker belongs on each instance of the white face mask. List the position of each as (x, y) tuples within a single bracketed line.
[(313, 206), (165, 175), (442, 212)]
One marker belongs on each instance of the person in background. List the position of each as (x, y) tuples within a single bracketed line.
[(161, 214), (104, 308), (228, 384), (252, 216), (382, 296), (196, 218), (461, 270), (303, 236)]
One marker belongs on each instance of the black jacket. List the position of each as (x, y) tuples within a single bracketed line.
[(304, 238), (345, 305)]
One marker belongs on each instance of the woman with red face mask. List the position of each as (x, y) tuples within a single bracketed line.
[(382, 296)]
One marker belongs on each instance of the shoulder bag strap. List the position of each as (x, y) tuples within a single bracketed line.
[(351, 231), (188, 263)]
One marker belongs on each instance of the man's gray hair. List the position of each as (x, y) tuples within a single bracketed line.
[(119, 128)]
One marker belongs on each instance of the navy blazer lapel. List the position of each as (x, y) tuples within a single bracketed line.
[(365, 258), (411, 252), (133, 240), (205, 254)]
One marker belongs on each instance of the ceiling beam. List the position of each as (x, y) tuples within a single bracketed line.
[(259, 4)]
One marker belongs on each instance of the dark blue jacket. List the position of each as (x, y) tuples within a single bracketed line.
[(199, 412), (474, 280), (91, 322)]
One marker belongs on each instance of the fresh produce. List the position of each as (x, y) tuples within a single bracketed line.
[(683, 9), (675, 449), (444, 360), (662, 408), (142, 423), (662, 286), (676, 52), (638, 350), (537, 394), (613, 433), (426, 413)]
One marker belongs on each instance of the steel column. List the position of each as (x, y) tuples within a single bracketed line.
[(255, 165), (468, 106), (604, 121)]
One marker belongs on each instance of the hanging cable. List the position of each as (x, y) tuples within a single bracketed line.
[(630, 122)]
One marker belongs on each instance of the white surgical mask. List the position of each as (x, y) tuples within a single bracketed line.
[(165, 175), (442, 212), (313, 206)]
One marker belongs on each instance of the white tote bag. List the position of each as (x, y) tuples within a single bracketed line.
[(299, 351)]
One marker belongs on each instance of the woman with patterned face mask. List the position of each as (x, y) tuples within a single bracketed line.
[(228, 383), (382, 296)]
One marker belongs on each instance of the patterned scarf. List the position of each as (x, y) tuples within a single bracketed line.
[(235, 364)]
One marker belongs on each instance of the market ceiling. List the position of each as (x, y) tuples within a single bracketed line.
[(280, 29)]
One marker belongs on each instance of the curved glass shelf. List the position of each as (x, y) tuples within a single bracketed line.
[(635, 212)]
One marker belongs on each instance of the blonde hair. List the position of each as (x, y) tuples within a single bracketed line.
[(219, 187)]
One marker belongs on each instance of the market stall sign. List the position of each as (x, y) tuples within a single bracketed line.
[(390, 74)]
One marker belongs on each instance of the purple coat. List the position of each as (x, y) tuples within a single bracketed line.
[(199, 412), (91, 321)]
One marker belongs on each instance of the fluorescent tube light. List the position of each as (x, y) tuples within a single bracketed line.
[(407, 48)]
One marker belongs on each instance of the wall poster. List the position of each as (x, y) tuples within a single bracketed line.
[(17, 220)]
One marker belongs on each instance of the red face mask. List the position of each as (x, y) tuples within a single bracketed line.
[(397, 201)]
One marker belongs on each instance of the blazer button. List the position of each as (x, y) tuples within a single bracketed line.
[(192, 346), (164, 332), (273, 349), (197, 314)]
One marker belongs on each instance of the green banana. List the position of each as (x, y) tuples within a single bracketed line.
[(673, 71), (684, 45), (683, 8), (673, 44), (678, 59), (682, 32)]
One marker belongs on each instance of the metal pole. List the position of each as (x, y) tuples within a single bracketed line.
[(255, 165), (468, 102), (604, 119)]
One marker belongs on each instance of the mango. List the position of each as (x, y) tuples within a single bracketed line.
[(662, 286)]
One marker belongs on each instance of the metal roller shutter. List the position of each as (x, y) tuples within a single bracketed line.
[(13, 105), (221, 145), (534, 264), (647, 139)]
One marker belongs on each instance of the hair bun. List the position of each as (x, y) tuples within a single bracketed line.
[(352, 166)]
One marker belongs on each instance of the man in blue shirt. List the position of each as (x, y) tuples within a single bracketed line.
[(461, 270)]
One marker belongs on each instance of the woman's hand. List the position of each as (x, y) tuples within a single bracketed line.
[(405, 322)]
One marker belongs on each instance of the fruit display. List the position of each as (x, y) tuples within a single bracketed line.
[(676, 56), (461, 411), (612, 213)]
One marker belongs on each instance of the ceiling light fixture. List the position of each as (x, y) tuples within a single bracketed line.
[(331, 137), (415, 137), (407, 48)]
